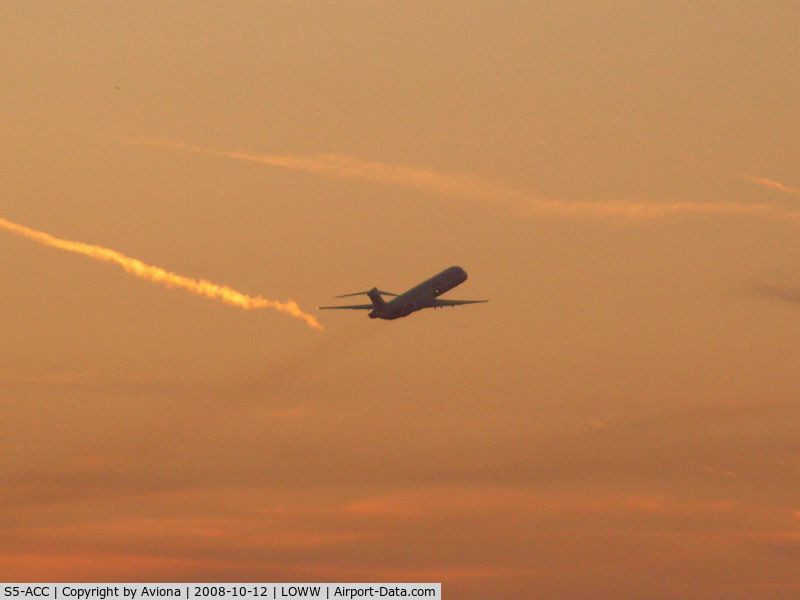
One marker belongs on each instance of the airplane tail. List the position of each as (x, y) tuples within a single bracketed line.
[(375, 295), (377, 300), (382, 292)]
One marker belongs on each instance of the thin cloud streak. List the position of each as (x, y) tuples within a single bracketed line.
[(647, 209), (347, 167), (137, 268), (464, 186), (772, 185)]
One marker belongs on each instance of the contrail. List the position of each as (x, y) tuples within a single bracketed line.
[(348, 167), (646, 209), (772, 185), (137, 268)]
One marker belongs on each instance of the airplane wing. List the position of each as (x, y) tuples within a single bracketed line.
[(352, 307), (437, 303)]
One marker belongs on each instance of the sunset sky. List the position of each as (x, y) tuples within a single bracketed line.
[(621, 178)]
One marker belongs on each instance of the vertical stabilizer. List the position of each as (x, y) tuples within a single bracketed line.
[(377, 300)]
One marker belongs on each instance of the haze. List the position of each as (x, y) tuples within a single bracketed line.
[(621, 420)]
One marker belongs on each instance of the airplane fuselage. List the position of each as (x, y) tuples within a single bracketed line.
[(418, 297)]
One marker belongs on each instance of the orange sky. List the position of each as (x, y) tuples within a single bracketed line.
[(620, 421)]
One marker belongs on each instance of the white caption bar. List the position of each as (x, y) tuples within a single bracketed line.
[(217, 591)]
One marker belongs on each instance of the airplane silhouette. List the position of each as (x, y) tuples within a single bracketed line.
[(424, 295)]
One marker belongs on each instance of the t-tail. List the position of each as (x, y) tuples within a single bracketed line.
[(377, 300)]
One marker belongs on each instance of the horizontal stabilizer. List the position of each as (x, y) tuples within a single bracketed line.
[(352, 307), (381, 292)]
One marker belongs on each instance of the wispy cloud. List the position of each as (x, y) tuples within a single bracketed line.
[(140, 269), (772, 185), (428, 503), (647, 209), (476, 189), (347, 167)]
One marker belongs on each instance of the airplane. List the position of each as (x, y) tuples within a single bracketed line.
[(421, 296)]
